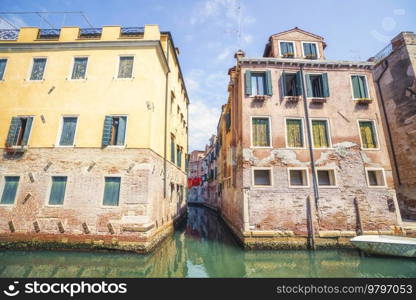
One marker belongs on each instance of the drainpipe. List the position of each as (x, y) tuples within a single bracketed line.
[(310, 141), (166, 121), (393, 152)]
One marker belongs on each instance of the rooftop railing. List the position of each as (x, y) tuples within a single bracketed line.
[(9, 34), (49, 34), (90, 33), (131, 31), (386, 51)]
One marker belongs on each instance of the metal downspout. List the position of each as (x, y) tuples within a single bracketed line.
[(166, 121)]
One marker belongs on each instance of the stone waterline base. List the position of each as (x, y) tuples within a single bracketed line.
[(89, 242)]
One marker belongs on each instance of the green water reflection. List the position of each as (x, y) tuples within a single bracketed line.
[(202, 247)]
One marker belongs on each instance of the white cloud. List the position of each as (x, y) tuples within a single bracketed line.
[(203, 120), (247, 39), (16, 21), (224, 54)]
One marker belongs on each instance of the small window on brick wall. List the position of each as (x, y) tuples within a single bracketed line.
[(375, 178), (298, 178), (262, 177), (326, 178)]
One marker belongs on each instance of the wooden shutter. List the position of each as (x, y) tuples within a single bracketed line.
[(121, 133), (283, 81), (247, 82), (299, 88), (57, 190), (325, 86), (68, 131), (13, 130), (111, 191), (269, 89), (108, 123), (28, 128), (308, 85)]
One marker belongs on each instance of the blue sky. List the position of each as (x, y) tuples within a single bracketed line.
[(206, 31)]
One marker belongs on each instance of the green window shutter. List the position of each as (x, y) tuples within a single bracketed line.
[(28, 128), (320, 134), (283, 48), (13, 130), (359, 87), (260, 132), (121, 133), (3, 63), (111, 191), (269, 89), (108, 123), (368, 136), (294, 133), (172, 150), (356, 87), (57, 190), (247, 83), (68, 131), (325, 86), (284, 83), (307, 49), (298, 84), (308, 85), (10, 189)]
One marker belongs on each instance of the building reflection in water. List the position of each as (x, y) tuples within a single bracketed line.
[(203, 247)]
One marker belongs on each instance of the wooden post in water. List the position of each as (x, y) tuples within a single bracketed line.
[(359, 224), (309, 221)]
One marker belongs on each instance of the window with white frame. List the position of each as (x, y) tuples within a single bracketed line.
[(262, 177), (3, 62), (359, 87), (326, 177), (260, 130), (9, 189), (38, 68), (298, 177), (287, 49), (69, 125), (294, 133), (320, 133), (57, 192), (310, 50), (79, 69), (368, 134), (375, 177), (125, 67)]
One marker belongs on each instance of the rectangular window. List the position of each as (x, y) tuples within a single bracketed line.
[(3, 63), (320, 133), (326, 177), (260, 132), (179, 156), (287, 49), (172, 148), (80, 68), (69, 125), (368, 134), (114, 131), (294, 133), (38, 68), (317, 85), (257, 84), (10, 189), (19, 131), (292, 85), (376, 178), (359, 87), (298, 177), (125, 67), (111, 191), (310, 50), (262, 177), (58, 188)]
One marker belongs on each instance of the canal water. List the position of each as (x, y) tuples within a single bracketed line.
[(203, 247)]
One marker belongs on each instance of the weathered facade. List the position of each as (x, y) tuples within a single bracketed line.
[(195, 173), (93, 135), (394, 74), (303, 156)]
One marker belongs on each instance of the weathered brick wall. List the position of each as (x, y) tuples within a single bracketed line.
[(141, 193), (398, 86)]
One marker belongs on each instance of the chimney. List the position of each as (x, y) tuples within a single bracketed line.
[(239, 54)]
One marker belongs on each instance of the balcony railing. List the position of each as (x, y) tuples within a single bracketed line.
[(49, 34), (131, 31), (9, 34), (386, 51), (90, 33)]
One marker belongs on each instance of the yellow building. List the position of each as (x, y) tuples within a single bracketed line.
[(94, 135)]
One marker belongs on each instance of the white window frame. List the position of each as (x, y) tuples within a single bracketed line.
[(3, 185), (118, 66), (58, 138), (270, 169), (318, 54), (125, 133), (304, 169), (31, 69), (352, 87), (376, 134), (73, 65), (282, 83), (119, 175), (329, 132), (252, 95), (270, 132), (335, 178), (303, 132), (5, 68), (383, 172), (48, 195), (304, 80), (286, 41)]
